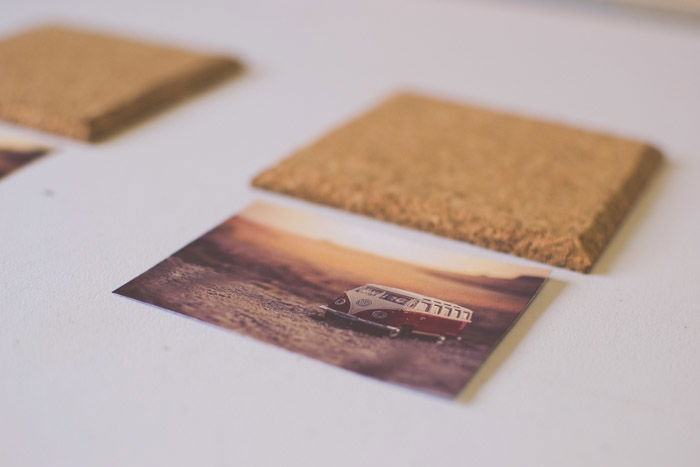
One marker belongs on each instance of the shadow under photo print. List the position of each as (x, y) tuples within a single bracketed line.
[(395, 310)]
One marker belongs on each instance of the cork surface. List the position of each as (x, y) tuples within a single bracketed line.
[(543, 191), (87, 86)]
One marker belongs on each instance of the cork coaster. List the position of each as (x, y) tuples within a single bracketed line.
[(535, 189), (87, 86)]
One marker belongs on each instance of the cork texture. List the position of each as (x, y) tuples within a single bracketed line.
[(539, 190), (87, 86)]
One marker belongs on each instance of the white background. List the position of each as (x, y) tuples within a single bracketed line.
[(603, 370)]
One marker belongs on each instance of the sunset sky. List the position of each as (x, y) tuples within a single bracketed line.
[(14, 144), (360, 238)]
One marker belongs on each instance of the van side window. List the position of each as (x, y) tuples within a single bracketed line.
[(371, 291), (423, 307), (396, 298), (437, 309)]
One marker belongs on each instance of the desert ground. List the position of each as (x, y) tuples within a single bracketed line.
[(269, 284)]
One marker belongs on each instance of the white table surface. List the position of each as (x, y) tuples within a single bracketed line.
[(604, 369)]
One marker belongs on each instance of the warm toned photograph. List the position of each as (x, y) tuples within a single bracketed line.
[(384, 307), (17, 153)]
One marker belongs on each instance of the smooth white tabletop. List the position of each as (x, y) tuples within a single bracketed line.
[(604, 369)]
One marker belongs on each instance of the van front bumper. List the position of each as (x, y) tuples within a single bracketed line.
[(392, 330)]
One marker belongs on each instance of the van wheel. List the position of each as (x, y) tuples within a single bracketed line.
[(394, 333), (406, 330)]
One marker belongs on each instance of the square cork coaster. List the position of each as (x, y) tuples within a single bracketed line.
[(539, 190), (87, 85)]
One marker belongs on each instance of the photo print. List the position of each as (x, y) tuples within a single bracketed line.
[(395, 310)]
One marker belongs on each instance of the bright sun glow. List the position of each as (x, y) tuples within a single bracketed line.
[(359, 238)]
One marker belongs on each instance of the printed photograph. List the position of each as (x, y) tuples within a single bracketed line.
[(16, 153), (384, 307)]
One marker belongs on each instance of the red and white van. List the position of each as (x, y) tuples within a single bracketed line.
[(400, 312)]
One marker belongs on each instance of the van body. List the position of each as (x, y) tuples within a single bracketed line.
[(400, 312)]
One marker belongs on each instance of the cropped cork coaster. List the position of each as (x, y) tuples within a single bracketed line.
[(539, 190), (87, 85)]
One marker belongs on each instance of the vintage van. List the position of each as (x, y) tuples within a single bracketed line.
[(398, 312)]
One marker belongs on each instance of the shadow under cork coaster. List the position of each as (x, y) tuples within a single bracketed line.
[(636, 217)]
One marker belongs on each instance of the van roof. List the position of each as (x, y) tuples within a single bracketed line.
[(413, 294)]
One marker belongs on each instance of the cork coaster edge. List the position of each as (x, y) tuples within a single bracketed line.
[(161, 96)]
